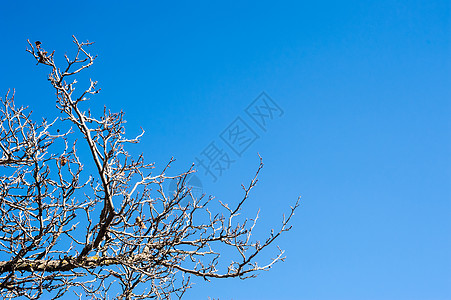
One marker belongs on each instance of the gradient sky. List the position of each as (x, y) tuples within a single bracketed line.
[(364, 138)]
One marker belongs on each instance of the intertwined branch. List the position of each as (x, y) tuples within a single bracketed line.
[(108, 228)]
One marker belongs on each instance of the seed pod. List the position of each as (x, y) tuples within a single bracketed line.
[(140, 223)]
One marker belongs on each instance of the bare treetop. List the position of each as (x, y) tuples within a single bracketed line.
[(102, 226)]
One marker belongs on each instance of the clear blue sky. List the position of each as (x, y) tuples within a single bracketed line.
[(365, 136)]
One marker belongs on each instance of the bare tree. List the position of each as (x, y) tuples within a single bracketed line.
[(107, 230)]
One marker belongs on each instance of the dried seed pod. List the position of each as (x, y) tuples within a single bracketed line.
[(140, 223)]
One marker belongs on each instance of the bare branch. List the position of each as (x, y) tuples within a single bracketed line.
[(86, 224)]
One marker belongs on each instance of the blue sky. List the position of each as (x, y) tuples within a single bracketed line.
[(364, 137)]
